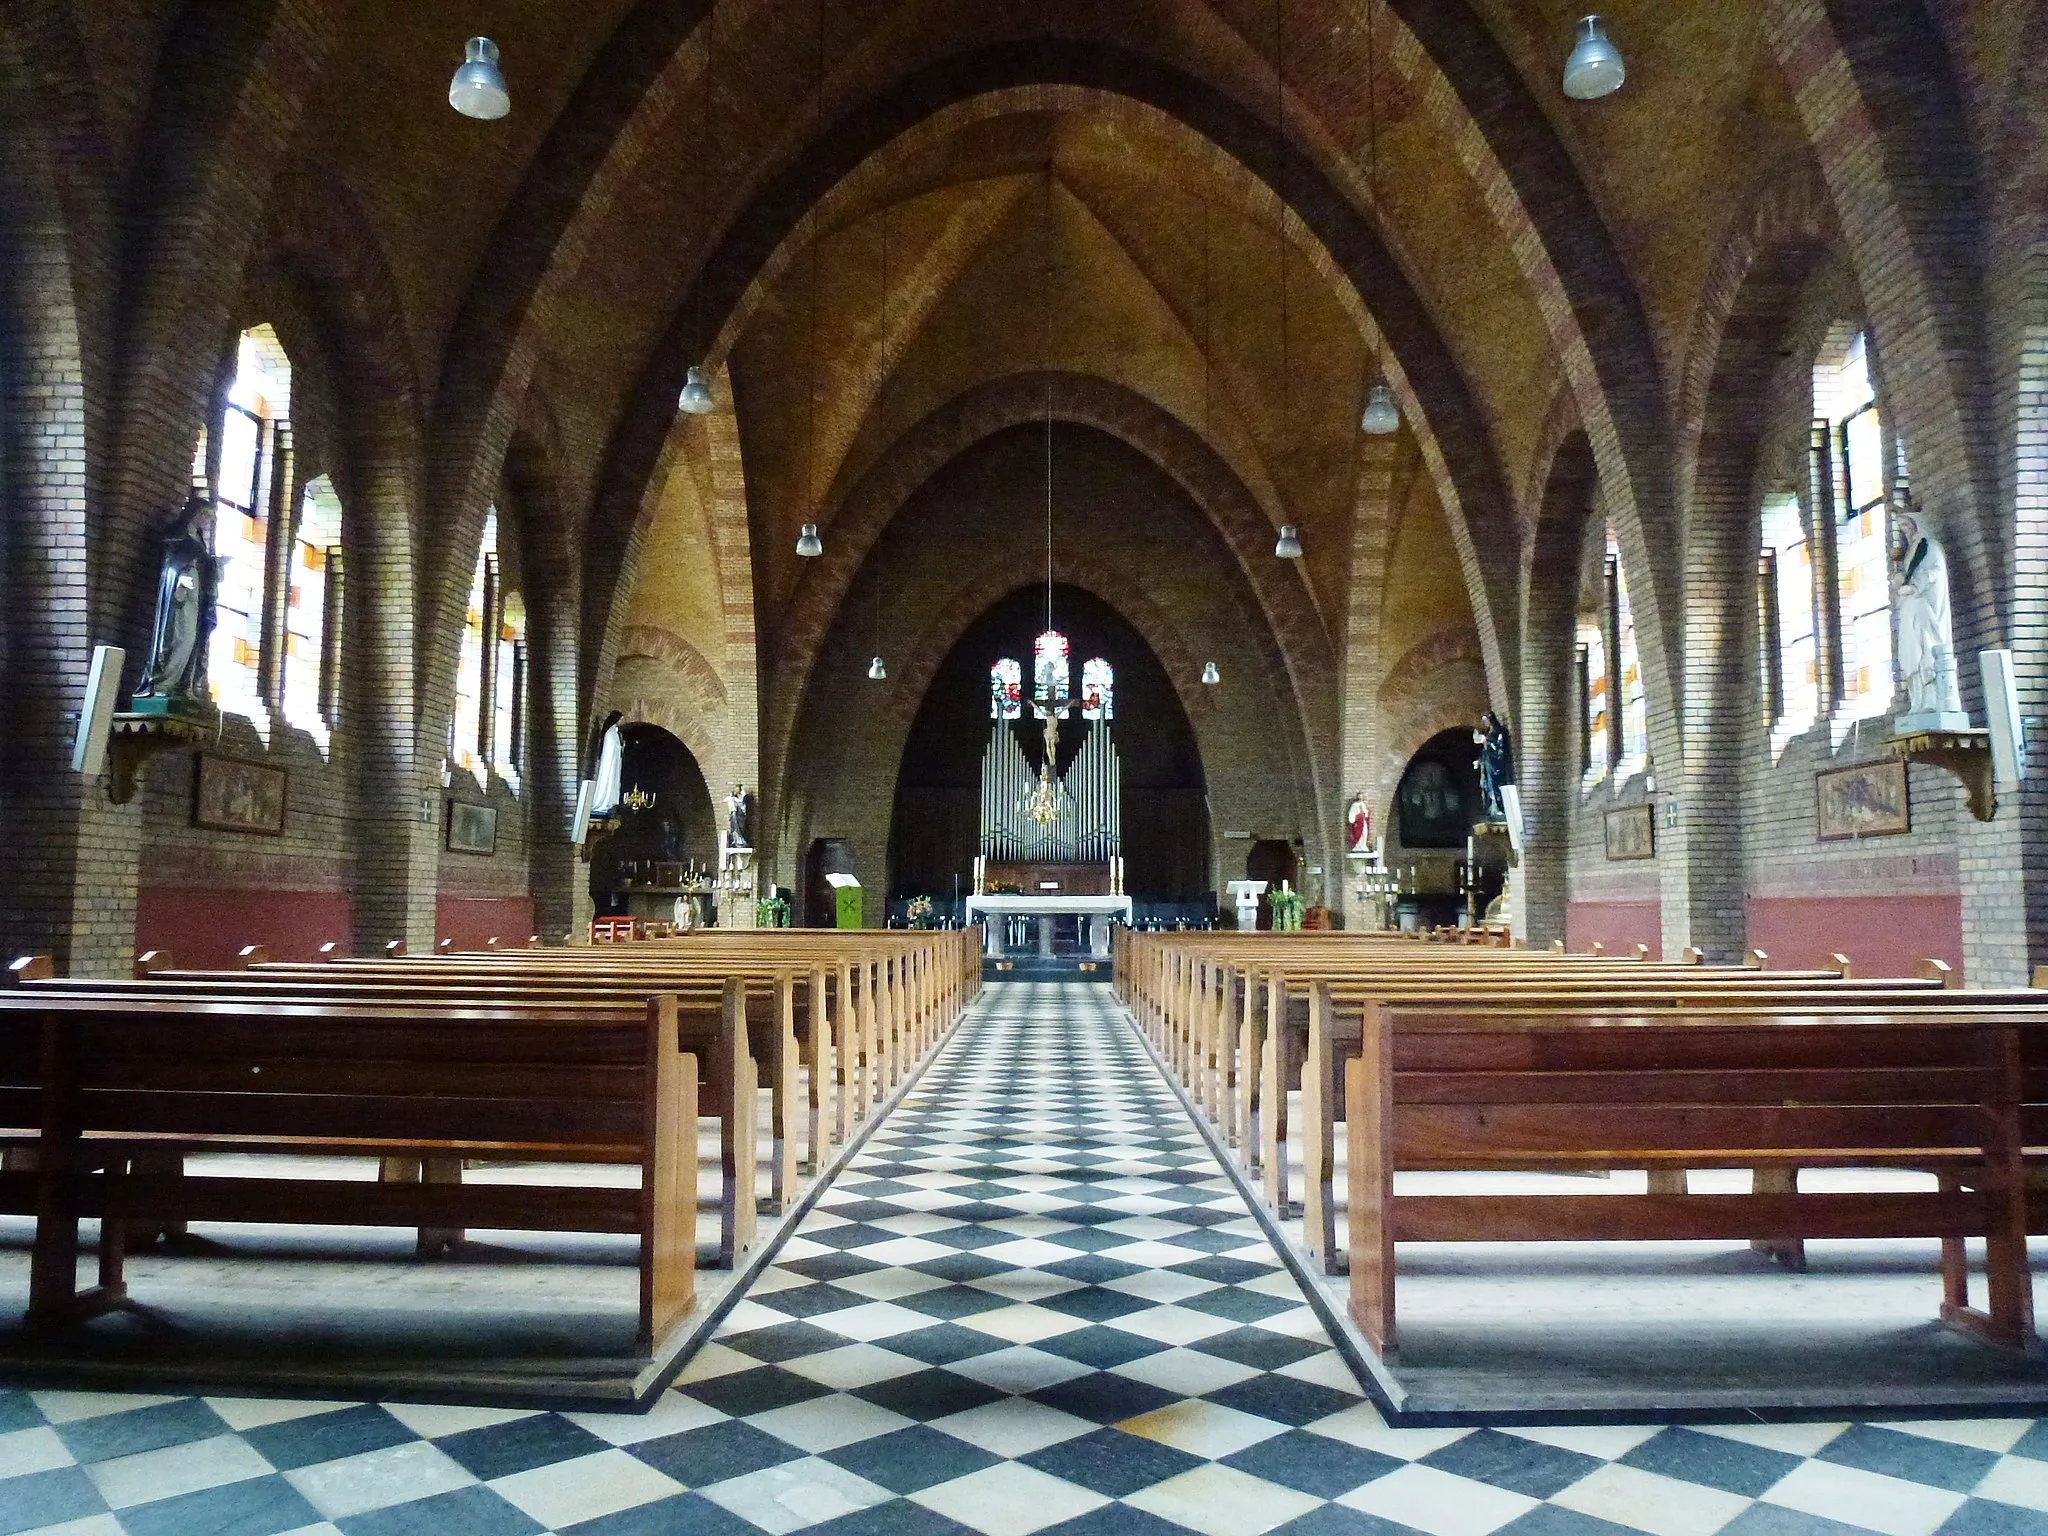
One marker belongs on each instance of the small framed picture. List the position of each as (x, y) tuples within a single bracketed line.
[(472, 828), (234, 795), (1868, 800), (1632, 832)]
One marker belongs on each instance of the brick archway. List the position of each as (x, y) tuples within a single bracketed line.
[(1300, 652)]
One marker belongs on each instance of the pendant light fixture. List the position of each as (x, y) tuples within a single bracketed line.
[(878, 673), (478, 89), (1594, 68), (1288, 546), (1045, 365), (808, 544), (1382, 417), (696, 398), (1210, 675)]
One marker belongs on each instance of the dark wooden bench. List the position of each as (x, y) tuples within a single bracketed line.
[(711, 1029), (101, 1081), (1958, 1092)]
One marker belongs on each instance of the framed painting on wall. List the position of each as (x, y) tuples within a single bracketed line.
[(1632, 832), (231, 794), (1868, 800), (472, 828)]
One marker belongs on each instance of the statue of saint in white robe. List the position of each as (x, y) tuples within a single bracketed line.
[(1926, 646)]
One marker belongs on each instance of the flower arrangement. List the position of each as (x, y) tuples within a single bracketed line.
[(920, 912), (771, 912), (1286, 905)]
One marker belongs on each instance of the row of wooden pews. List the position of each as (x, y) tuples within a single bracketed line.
[(431, 1064), (1469, 1058)]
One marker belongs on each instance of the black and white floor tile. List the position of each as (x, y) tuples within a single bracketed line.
[(1033, 1303)]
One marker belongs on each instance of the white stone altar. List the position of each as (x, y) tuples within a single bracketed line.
[(1099, 910)]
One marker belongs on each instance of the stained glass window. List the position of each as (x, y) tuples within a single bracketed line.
[(1791, 658), (1634, 702), (1596, 734), (1051, 676), (311, 611), (1863, 579), (1098, 690), (258, 398), (466, 743), (1006, 690), (508, 729)]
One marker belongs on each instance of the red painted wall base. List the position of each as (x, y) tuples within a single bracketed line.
[(1881, 935), (1617, 925), (470, 920), (207, 929)]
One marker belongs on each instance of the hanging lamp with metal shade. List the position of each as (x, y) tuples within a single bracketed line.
[(478, 89), (1382, 416), (1288, 546), (808, 544), (1594, 68), (1210, 675), (696, 398)]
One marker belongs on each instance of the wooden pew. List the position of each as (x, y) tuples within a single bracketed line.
[(102, 1079), (711, 1031), (1474, 1088)]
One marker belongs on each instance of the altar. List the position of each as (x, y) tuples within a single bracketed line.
[(1100, 911)]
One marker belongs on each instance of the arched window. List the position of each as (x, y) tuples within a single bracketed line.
[(489, 724), (313, 615), (1595, 718), (1098, 690), (1006, 690), (1846, 399), (508, 711), (258, 403), (1633, 701), (467, 744), (1791, 656)]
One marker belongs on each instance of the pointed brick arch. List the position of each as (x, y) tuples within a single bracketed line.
[(1300, 652)]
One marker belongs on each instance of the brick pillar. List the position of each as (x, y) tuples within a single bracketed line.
[(1547, 751), (1361, 767), (557, 875)]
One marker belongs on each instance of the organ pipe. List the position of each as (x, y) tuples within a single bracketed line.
[(1089, 824)]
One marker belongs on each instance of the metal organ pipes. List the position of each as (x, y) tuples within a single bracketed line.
[(1089, 825)]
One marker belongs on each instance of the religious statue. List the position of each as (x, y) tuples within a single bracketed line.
[(1357, 827), (188, 580), (736, 819), (606, 789), (1926, 647), (1496, 764)]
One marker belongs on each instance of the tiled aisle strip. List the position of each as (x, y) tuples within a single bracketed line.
[(1032, 1303)]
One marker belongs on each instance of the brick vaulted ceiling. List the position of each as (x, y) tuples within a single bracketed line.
[(1067, 186)]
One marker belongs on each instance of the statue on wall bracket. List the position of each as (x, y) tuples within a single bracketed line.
[(1496, 765), (737, 805), (1926, 635), (188, 583)]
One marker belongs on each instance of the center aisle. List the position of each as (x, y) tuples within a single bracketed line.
[(1033, 1295)]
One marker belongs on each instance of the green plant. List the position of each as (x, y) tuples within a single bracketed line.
[(920, 912), (1286, 905)]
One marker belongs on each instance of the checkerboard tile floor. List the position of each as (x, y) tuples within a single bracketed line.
[(1033, 1304)]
